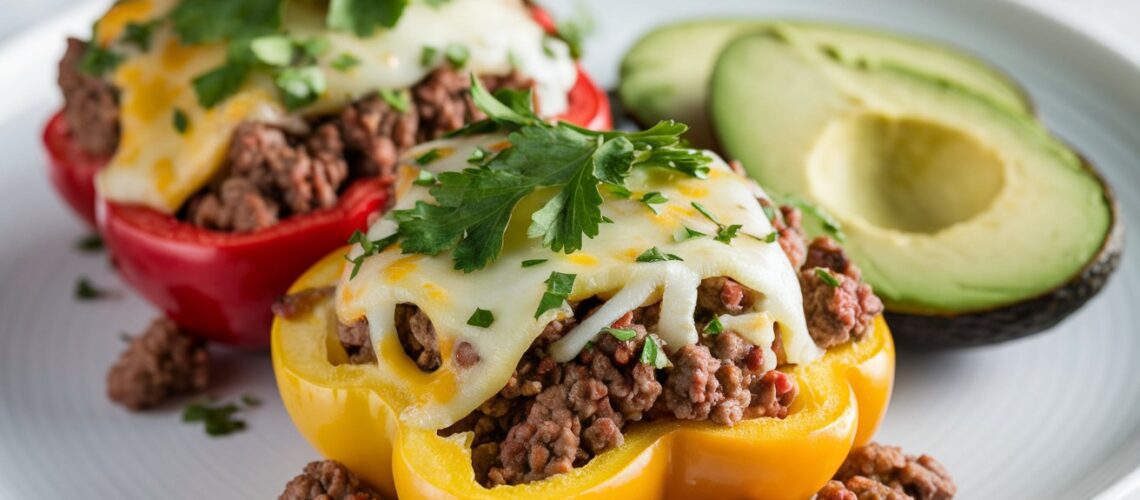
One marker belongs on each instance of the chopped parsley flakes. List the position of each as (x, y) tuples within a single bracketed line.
[(219, 418), (622, 334), (558, 288), (533, 262), (92, 243), (362, 17), (826, 276), (652, 354), (86, 290), (481, 318), (180, 120), (344, 62), (656, 255), (714, 327)]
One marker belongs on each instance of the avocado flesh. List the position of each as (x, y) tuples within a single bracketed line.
[(950, 204), (666, 74)]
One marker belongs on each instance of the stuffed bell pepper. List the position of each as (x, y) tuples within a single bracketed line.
[(550, 312), (228, 145)]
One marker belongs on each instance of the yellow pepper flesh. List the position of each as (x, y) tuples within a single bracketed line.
[(351, 417)]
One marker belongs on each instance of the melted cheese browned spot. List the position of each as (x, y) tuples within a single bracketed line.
[(604, 267), (158, 167)]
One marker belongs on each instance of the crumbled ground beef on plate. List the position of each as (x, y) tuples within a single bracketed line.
[(875, 471), (161, 362), (327, 480)]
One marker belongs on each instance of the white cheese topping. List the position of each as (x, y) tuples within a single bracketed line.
[(157, 166), (605, 267)]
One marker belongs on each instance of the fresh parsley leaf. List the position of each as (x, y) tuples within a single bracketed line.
[(826, 220), (656, 255), (92, 243), (478, 156), (140, 34), (714, 326), (204, 21), (653, 198), (652, 354), (429, 157), (315, 47), (363, 16), (826, 276), (472, 207), (428, 56), (607, 220), (772, 237), (436, 3), (622, 334), (687, 233), (344, 62), (558, 288), (547, 46), (424, 178), (727, 233), (250, 401), (533, 262), (619, 191), (769, 211), (705, 212), (300, 86), (180, 120), (218, 419), (98, 61), (218, 84), (481, 318), (397, 99), (457, 55), (274, 50), (370, 248), (86, 290)]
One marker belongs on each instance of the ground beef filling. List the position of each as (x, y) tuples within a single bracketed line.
[(327, 480), (274, 171), (90, 104), (551, 417), (160, 363), (877, 471)]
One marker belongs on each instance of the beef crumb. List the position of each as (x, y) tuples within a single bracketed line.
[(298, 304), (90, 104), (878, 471), (836, 314), (417, 336), (357, 341), (163, 361), (327, 480)]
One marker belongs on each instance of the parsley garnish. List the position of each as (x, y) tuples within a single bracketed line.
[(424, 178), (687, 233), (428, 56), (769, 211), (370, 247), (714, 326), (344, 62), (180, 120), (97, 60), (619, 191), (653, 198), (652, 354), (301, 86), (429, 157), (474, 206), (827, 222), (274, 50), (397, 99), (315, 47), (86, 290), (457, 55), (533, 262), (547, 48), (826, 276), (204, 21), (218, 419), (478, 156), (91, 243), (558, 288), (771, 238), (481, 318), (656, 255), (724, 234), (139, 34), (363, 16), (622, 334), (220, 83)]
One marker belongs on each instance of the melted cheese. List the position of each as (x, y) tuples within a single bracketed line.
[(605, 267), (159, 167)]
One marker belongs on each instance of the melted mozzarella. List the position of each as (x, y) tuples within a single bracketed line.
[(605, 267), (159, 167)]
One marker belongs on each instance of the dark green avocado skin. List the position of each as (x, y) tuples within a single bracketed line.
[(1023, 318)]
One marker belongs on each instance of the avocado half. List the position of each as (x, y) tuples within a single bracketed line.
[(666, 73), (972, 222)]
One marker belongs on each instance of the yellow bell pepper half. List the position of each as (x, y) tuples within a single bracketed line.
[(349, 415)]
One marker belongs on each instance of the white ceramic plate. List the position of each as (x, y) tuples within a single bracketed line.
[(1053, 416)]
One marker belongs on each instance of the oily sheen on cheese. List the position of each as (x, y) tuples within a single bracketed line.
[(159, 167), (605, 267)]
